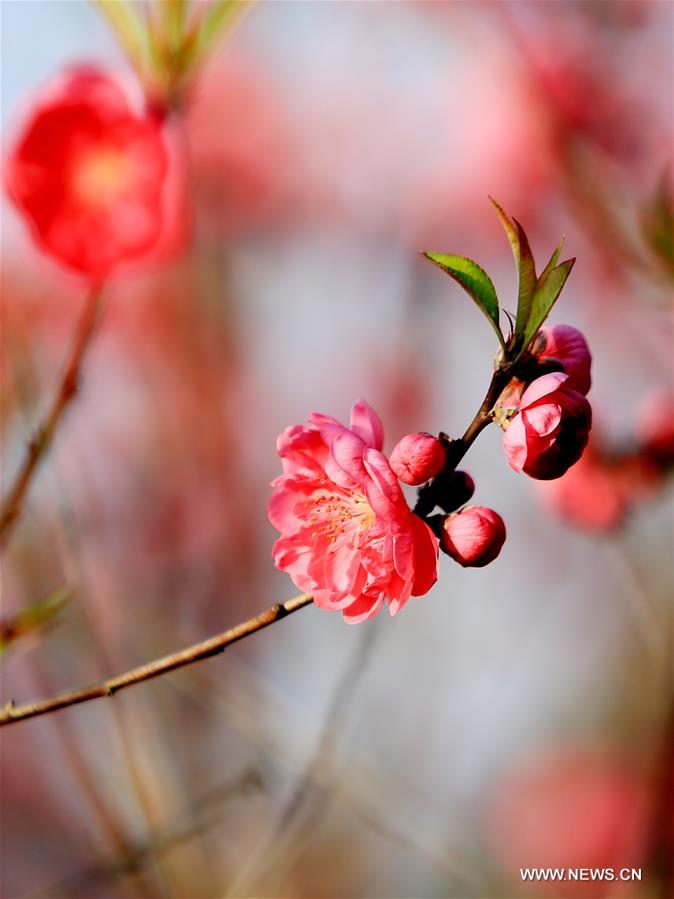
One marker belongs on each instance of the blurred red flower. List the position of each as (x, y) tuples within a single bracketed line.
[(569, 807), (88, 172)]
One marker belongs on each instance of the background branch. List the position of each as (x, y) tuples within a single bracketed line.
[(41, 440), (214, 645)]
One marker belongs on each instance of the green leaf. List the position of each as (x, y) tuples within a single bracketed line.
[(547, 292), (34, 617), (130, 29), (475, 281), (526, 269), (219, 15), (528, 284), (552, 262)]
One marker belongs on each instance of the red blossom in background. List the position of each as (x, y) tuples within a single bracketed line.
[(348, 535), (88, 174), (608, 482)]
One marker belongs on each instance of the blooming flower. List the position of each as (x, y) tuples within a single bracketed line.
[(348, 536), (550, 430), (474, 536), (87, 172), (566, 346), (417, 458)]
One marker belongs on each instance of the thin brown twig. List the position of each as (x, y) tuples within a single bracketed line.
[(11, 713), (204, 650), (41, 440)]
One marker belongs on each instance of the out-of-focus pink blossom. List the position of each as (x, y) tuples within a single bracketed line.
[(591, 495), (348, 536), (474, 536), (567, 346), (550, 430), (655, 428), (241, 146), (417, 458), (569, 808)]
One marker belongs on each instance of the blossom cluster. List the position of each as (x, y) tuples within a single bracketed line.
[(348, 535), (91, 174)]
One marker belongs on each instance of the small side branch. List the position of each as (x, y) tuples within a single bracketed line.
[(41, 440), (214, 645)]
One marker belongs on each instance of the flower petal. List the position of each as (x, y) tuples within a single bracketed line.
[(382, 487), (366, 606), (367, 424), (542, 387)]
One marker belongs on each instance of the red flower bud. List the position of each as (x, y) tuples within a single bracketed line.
[(474, 536), (417, 458)]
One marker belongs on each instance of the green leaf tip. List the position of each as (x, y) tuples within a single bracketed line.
[(547, 292), (537, 294), (475, 281)]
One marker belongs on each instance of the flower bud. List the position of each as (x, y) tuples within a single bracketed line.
[(550, 430), (456, 489), (474, 536), (566, 346), (417, 458)]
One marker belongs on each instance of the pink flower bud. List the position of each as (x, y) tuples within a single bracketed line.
[(457, 489), (417, 458), (568, 347), (474, 536), (550, 430)]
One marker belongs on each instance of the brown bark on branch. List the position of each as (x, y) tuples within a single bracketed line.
[(11, 713), (41, 440)]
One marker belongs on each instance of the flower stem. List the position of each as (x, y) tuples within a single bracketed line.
[(11, 713), (41, 440), (457, 449)]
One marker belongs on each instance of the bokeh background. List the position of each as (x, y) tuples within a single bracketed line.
[(517, 715)]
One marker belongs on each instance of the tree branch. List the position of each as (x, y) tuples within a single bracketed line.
[(457, 449), (214, 645), (11, 713), (41, 440)]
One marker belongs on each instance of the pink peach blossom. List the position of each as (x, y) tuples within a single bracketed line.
[(348, 536), (567, 346), (550, 430), (474, 536), (417, 457)]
